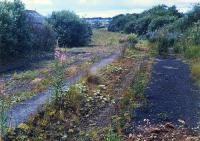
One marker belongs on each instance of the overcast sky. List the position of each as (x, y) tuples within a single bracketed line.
[(103, 8)]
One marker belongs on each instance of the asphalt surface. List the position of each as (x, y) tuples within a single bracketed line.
[(171, 95)]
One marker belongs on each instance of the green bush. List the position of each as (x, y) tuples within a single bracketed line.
[(118, 22), (148, 21), (192, 52), (46, 42), (3, 116), (196, 71), (130, 27), (70, 29), (160, 21), (162, 46), (58, 82), (14, 35), (132, 39), (112, 136), (178, 49), (18, 36)]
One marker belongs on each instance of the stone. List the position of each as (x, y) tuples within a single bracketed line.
[(181, 121), (36, 80)]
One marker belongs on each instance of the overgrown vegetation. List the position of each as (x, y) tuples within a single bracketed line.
[(196, 71), (167, 28), (100, 107), (164, 25), (58, 82), (26, 84), (24, 35), (112, 136), (3, 117), (146, 22), (71, 113)]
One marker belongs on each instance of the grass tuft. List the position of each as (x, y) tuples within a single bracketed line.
[(192, 52), (25, 75), (196, 72)]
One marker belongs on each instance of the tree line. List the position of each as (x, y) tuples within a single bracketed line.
[(20, 37), (164, 25)]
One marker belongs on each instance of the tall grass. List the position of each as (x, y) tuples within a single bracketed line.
[(192, 52), (58, 82), (3, 116), (196, 71), (104, 38), (112, 136)]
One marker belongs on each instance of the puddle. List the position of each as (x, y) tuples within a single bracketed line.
[(170, 68)]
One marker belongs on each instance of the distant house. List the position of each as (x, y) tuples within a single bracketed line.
[(98, 19), (98, 22)]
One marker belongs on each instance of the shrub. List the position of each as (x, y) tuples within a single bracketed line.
[(148, 21), (58, 82), (192, 52), (20, 35), (194, 14), (164, 40), (3, 116), (118, 22), (130, 27), (178, 49), (42, 38), (142, 24), (25, 75), (73, 99), (112, 136), (160, 21), (70, 29), (14, 35), (196, 71), (162, 46), (132, 39)]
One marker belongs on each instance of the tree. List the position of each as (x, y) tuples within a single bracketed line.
[(18, 36), (13, 31), (119, 22), (148, 21), (42, 34), (161, 21), (70, 29)]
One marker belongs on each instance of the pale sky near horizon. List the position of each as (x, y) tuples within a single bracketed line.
[(103, 8)]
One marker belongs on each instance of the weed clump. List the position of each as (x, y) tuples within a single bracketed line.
[(72, 98), (112, 136), (132, 40), (3, 117), (192, 52), (196, 71), (58, 81)]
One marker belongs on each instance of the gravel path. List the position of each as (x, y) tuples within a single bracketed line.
[(171, 95)]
